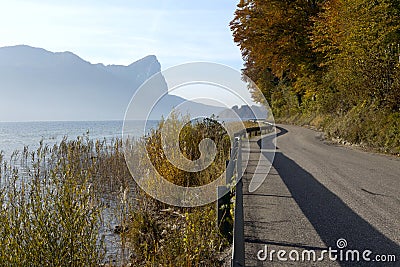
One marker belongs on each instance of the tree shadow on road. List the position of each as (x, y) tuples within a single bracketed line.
[(329, 215)]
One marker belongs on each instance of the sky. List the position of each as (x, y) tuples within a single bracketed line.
[(124, 31), (121, 32)]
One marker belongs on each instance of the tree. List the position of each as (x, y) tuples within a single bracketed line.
[(273, 38), (351, 36), (333, 54)]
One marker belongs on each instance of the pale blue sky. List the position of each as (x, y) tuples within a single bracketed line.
[(120, 32)]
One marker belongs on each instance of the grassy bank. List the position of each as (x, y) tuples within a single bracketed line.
[(369, 127)]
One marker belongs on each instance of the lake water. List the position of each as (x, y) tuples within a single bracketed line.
[(16, 135)]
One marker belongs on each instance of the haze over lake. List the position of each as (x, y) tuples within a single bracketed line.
[(16, 135)]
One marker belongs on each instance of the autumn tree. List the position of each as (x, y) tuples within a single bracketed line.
[(333, 63), (354, 39), (273, 37)]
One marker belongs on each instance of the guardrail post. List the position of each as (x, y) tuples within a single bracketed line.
[(239, 160), (224, 200), (238, 253)]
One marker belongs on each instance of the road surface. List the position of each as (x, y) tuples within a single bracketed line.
[(316, 194)]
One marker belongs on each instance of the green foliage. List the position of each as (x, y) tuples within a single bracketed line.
[(354, 38)]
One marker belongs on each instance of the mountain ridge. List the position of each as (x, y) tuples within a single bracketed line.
[(25, 48), (37, 84), (40, 85)]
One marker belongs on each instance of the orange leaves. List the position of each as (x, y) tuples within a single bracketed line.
[(306, 50), (274, 34)]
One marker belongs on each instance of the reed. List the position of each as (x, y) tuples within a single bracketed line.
[(52, 202), (163, 235)]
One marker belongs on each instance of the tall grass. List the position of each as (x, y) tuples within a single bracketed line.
[(49, 213), (52, 202), (163, 235)]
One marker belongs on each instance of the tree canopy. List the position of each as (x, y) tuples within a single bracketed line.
[(326, 56)]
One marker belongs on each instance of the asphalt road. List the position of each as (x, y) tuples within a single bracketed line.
[(317, 193)]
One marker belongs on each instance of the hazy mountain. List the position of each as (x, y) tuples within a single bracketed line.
[(244, 113), (36, 84)]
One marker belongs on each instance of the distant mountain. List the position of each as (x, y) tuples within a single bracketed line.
[(36, 84), (244, 113)]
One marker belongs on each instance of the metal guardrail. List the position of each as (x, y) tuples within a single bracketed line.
[(234, 169), (238, 255), (253, 131)]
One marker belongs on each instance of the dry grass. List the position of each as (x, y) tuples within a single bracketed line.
[(162, 235), (52, 199)]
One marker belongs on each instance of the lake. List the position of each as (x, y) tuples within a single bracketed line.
[(16, 135)]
